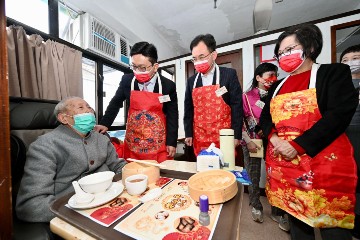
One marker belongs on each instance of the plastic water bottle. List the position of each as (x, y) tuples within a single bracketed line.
[(204, 217)]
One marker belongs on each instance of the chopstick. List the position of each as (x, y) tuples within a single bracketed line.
[(145, 162)]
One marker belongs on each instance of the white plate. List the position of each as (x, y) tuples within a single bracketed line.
[(100, 198)]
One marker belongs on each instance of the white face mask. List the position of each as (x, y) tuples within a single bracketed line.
[(354, 66)]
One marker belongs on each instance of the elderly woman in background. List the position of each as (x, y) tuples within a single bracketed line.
[(309, 161)]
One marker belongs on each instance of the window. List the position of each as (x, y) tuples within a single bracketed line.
[(168, 72), (33, 13), (346, 35), (112, 78), (89, 80), (69, 24)]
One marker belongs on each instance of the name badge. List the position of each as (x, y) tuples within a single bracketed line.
[(221, 91), (260, 104), (164, 98)]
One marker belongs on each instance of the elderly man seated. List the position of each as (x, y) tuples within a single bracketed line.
[(54, 160)]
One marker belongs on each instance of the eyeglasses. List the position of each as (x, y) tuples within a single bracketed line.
[(201, 58), (285, 52), (139, 68)]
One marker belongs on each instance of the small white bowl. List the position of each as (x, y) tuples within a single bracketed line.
[(96, 182), (136, 184)]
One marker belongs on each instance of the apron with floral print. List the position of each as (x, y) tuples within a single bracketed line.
[(145, 137), (211, 114), (320, 190)]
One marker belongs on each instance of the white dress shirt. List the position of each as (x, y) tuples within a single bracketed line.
[(207, 79), (150, 85)]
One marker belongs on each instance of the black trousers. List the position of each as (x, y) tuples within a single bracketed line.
[(301, 231)]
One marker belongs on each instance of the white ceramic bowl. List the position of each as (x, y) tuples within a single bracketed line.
[(133, 168), (136, 184), (96, 182)]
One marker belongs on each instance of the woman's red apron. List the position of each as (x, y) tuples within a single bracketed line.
[(320, 191), (211, 114), (145, 137)]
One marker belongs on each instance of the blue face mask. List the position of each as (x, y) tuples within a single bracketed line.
[(84, 122)]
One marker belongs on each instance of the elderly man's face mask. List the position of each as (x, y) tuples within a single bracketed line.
[(84, 122), (83, 116)]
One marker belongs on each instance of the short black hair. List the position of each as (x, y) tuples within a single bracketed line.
[(355, 48), (146, 49), (260, 70), (308, 35), (208, 39)]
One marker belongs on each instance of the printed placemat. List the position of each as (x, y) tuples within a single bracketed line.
[(173, 215), (110, 212)]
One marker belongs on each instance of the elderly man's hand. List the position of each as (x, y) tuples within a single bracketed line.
[(171, 151), (100, 128)]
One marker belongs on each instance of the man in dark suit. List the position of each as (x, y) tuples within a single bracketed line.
[(215, 101), (152, 124)]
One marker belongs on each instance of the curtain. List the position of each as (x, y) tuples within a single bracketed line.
[(45, 70)]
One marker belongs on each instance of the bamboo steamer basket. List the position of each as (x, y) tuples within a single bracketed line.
[(133, 168), (219, 185)]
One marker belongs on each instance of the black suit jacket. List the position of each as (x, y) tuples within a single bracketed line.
[(229, 79), (170, 108), (337, 101)]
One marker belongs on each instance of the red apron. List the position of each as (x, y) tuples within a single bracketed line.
[(211, 114), (145, 137), (319, 191)]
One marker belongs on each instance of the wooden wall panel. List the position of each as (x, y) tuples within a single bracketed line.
[(5, 167)]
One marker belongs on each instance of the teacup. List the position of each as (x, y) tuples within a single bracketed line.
[(136, 184), (132, 168)]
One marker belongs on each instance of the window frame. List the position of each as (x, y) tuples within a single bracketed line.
[(53, 8), (334, 28), (165, 68)]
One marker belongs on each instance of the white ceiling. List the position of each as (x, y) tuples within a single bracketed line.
[(172, 24)]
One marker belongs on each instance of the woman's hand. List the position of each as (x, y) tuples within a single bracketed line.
[(283, 147), (252, 147), (275, 140), (286, 150)]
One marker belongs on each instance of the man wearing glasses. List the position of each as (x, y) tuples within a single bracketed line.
[(212, 98), (152, 124)]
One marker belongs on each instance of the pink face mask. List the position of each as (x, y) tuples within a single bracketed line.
[(292, 62), (142, 77), (202, 67), (269, 81)]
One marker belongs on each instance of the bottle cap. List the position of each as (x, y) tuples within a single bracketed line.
[(226, 132), (204, 203)]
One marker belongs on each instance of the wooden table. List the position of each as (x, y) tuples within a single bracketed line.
[(68, 231)]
